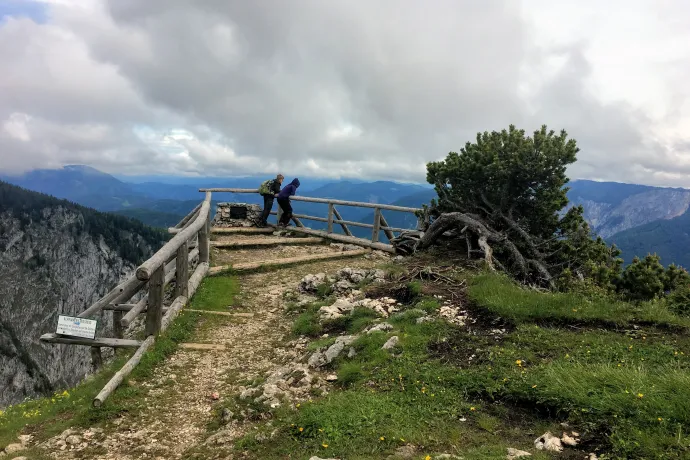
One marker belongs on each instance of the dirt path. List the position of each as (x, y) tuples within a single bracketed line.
[(174, 413)]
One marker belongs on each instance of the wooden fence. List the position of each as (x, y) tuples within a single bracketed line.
[(334, 218), (172, 261)]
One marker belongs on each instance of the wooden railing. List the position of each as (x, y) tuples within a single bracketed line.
[(172, 261), (334, 218)]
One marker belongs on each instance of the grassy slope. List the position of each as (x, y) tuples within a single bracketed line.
[(563, 358), (47, 417)]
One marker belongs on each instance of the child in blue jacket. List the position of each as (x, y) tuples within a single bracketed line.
[(284, 202)]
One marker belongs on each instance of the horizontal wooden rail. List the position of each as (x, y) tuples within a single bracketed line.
[(264, 242), (174, 309), (244, 266), (146, 269), (309, 199), (97, 342), (183, 223)]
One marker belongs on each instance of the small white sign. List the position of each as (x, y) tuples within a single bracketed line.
[(76, 327)]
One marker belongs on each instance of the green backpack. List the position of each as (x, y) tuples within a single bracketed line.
[(265, 188)]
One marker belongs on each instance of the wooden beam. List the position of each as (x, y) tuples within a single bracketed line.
[(346, 239), (309, 199), (330, 217), (125, 290), (342, 223), (222, 313), (182, 269), (204, 240), (386, 229), (145, 270), (118, 330), (154, 313), (202, 346), (97, 342), (377, 226), (265, 242), (124, 372), (241, 230), (287, 261), (127, 307)]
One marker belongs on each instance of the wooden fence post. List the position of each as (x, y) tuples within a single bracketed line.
[(182, 270), (204, 242), (118, 330), (377, 225), (154, 311), (96, 358), (342, 225), (330, 217), (389, 234)]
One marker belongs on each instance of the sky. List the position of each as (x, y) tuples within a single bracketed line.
[(342, 88)]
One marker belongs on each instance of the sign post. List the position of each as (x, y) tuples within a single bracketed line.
[(76, 327)]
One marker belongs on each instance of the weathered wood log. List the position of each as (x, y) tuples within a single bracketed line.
[(174, 309), (345, 239), (198, 275), (118, 330), (95, 343), (181, 270), (241, 230), (309, 199), (181, 224), (96, 358), (386, 229), (287, 261), (154, 313), (124, 372), (377, 226), (264, 242), (341, 222), (146, 269), (330, 217), (125, 290), (204, 241), (127, 307)]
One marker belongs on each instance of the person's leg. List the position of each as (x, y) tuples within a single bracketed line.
[(283, 205), (288, 212), (268, 205)]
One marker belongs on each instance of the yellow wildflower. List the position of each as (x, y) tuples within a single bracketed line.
[(301, 429), (382, 438), (297, 405), (472, 409), (660, 419), (428, 457), (518, 362), (534, 386), (325, 446), (640, 395)]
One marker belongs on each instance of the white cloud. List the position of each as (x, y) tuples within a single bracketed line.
[(343, 88)]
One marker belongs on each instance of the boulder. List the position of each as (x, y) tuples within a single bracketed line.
[(310, 283), (549, 442), (391, 343)]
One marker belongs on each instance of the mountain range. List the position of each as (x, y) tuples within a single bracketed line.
[(639, 219)]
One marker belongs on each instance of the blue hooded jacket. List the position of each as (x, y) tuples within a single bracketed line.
[(289, 189)]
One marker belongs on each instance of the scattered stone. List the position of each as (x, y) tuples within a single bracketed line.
[(12, 448), (351, 353), (215, 396), (290, 382), (346, 247), (453, 315), (515, 453), (319, 458), (593, 456), (321, 358), (21, 458), (331, 378), (226, 416), (549, 442), (340, 308), (424, 319), (381, 327), (391, 343), (568, 441), (310, 283), (446, 456), (25, 439), (73, 440)]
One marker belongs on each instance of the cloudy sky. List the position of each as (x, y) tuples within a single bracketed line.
[(340, 88)]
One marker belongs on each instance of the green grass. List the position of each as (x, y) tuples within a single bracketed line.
[(216, 293), (565, 359), (501, 296), (48, 416)]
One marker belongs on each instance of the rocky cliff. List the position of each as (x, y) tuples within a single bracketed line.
[(53, 260)]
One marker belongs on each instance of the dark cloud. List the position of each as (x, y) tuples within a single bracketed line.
[(338, 88)]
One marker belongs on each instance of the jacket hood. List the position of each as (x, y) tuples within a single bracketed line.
[(295, 182)]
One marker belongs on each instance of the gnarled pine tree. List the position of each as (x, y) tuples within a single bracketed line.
[(505, 195)]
